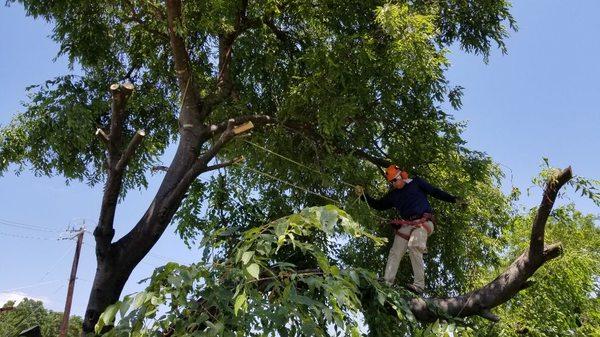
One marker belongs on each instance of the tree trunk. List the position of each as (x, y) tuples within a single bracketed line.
[(108, 283)]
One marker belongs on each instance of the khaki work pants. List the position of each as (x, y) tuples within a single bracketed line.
[(416, 245)]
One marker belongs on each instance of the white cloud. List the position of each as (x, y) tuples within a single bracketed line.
[(18, 296)]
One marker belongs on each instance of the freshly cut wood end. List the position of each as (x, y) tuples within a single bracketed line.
[(243, 128), (102, 135), (128, 86)]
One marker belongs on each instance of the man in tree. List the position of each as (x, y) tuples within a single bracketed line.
[(409, 197), (318, 73)]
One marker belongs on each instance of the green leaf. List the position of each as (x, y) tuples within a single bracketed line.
[(381, 297), (139, 299), (253, 270), (240, 301), (107, 317), (247, 256)]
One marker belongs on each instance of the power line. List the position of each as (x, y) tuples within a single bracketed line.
[(27, 237), (56, 264), (29, 286), (28, 226)]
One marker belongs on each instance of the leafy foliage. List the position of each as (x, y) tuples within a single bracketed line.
[(564, 299), (345, 81), (29, 313), (253, 289)]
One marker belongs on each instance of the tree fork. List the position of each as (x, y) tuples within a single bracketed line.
[(110, 275), (117, 161)]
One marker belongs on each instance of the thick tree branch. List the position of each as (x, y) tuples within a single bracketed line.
[(507, 284), (104, 231), (120, 95), (539, 224), (192, 112), (225, 137), (225, 87)]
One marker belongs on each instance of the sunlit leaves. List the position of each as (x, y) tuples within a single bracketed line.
[(261, 293), (414, 48)]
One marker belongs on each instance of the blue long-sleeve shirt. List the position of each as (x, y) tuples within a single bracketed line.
[(411, 200)]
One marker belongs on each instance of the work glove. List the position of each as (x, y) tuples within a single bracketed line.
[(359, 190)]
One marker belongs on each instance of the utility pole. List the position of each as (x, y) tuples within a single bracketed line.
[(65, 322)]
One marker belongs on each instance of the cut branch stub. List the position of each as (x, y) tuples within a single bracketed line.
[(133, 145), (120, 95), (102, 136), (243, 128), (536, 244)]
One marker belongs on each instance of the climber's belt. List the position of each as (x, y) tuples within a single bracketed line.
[(421, 221)]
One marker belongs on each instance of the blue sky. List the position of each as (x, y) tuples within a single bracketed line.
[(538, 101)]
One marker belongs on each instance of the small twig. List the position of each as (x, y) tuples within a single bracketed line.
[(224, 164)]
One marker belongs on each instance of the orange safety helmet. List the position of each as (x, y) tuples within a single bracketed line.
[(393, 171)]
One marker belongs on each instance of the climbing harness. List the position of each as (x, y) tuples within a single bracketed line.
[(415, 223)]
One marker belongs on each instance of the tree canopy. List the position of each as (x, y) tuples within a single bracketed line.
[(29, 313), (563, 301), (340, 87)]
